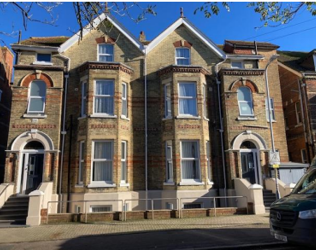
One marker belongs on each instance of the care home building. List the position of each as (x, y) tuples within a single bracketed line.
[(113, 118)]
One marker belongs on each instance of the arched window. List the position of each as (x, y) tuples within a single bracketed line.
[(245, 101), (37, 97), (34, 145)]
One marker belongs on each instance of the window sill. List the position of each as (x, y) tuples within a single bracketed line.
[(206, 118), (167, 118), (210, 182), (35, 116), (42, 63), (101, 185), (271, 121), (168, 183), (247, 118), (298, 125), (79, 186), (188, 117), (82, 117), (103, 116), (191, 183), (124, 118), (124, 184)]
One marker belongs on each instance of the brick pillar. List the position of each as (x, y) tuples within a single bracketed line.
[(47, 167), (55, 171), (238, 165)]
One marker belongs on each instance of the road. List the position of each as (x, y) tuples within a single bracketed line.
[(242, 238)]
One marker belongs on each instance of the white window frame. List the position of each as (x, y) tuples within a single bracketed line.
[(271, 108), (298, 114), (242, 65), (205, 109), (84, 99), (183, 58), (191, 181), (304, 157), (81, 161), (99, 54), (208, 163), (43, 62), (169, 162), (101, 183), (188, 97), (168, 109), (250, 102), (124, 161), (36, 97), (95, 114), (124, 99)]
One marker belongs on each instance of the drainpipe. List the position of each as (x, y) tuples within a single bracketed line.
[(63, 132), (146, 132), (303, 121), (221, 129)]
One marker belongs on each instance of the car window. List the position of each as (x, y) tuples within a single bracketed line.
[(307, 184)]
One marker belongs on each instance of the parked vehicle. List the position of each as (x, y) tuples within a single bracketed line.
[(293, 218)]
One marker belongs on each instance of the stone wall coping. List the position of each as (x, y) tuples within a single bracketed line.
[(36, 193), (255, 187)]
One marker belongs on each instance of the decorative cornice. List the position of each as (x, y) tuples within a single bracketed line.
[(183, 69), (39, 67), (106, 66), (242, 72)]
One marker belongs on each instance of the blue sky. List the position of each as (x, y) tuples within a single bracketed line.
[(238, 24)]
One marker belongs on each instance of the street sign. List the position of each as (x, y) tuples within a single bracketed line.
[(274, 158)]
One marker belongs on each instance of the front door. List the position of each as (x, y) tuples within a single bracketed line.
[(249, 165), (32, 172)]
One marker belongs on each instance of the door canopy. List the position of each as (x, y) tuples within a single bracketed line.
[(249, 136), (33, 135)]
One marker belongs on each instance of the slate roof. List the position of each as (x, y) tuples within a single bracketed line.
[(251, 44), (292, 59), (53, 41)]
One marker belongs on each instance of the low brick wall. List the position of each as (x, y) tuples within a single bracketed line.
[(139, 215)]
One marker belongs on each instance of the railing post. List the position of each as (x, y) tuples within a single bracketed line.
[(215, 206), (152, 208), (85, 210)]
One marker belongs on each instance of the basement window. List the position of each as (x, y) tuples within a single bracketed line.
[(100, 209)]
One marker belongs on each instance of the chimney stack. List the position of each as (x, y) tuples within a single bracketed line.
[(142, 37)]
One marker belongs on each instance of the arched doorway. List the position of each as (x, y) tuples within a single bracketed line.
[(250, 164), (32, 167)]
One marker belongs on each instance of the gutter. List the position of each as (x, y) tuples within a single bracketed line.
[(221, 129)]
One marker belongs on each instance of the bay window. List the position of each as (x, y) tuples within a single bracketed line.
[(124, 100), (102, 162), (81, 162), (169, 165), (83, 99), (167, 90), (187, 99), (190, 162), (104, 97), (124, 162)]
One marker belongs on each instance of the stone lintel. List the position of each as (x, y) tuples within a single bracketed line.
[(183, 69), (242, 72)]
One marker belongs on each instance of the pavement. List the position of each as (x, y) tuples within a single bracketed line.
[(191, 233)]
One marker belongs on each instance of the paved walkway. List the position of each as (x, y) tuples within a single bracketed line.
[(73, 230)]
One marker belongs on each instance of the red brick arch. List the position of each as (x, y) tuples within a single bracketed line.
[(37, 76), (243, 83)]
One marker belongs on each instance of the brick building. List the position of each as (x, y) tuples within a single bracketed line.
[(6, 66), (115, 117), (298, 82)]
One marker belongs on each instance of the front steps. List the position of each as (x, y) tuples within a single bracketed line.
[(268, 198), (14, 211)]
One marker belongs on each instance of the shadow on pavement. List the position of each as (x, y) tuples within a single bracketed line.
[(172, 239)]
